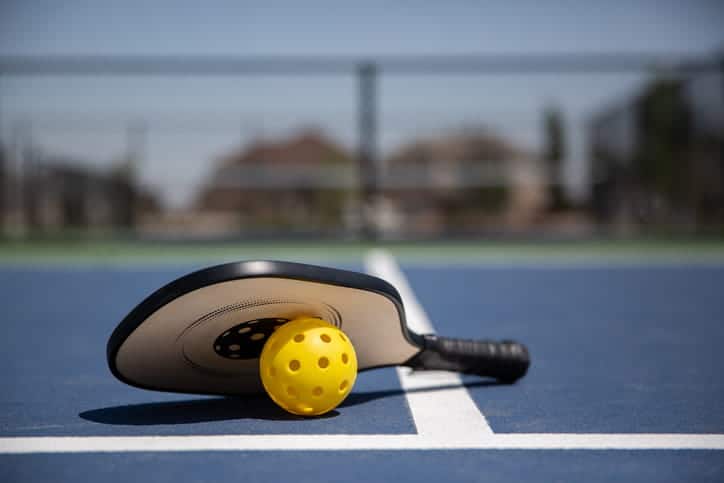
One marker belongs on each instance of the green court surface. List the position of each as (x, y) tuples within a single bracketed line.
[(115, 252)]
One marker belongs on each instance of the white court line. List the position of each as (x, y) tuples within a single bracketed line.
[(438, 428), (352, 442), (460, 418)]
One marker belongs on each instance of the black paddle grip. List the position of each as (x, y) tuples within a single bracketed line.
[(506, 361)]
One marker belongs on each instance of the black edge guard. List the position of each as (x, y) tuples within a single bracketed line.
[(506, 361)]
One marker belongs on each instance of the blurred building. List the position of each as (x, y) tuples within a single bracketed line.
[(301, 185), (467, 182), (658, 158), (464, 183), (60, 194)]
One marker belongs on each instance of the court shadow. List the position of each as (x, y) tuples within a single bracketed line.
[(191, 411), (363, 397)]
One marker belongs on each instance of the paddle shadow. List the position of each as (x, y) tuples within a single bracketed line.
[(204, 410), (190, 411)]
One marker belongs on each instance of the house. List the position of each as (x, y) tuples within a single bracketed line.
[(303, 184), (465, 182), (61, 194)]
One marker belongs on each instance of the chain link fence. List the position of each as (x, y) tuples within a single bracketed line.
[(391, 148)]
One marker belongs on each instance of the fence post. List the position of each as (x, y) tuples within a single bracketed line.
[(721, 152), (136, 134), (22, 148), (367, 149), (30, 178), (4, 159)]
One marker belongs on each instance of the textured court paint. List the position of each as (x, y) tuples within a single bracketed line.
[(347, 467), (56, 383), (614, 350), (302, 466)]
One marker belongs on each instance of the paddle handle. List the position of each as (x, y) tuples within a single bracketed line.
[(506, 361)]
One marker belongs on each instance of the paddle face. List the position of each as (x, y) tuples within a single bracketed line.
[(203, 333)]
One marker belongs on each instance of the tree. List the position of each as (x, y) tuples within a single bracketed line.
[(553, 154)]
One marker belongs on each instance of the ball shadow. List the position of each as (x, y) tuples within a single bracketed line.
[(364, 397)]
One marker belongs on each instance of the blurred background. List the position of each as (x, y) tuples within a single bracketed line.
[(374, 121)]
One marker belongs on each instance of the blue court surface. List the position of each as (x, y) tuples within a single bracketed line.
[(626, 384)]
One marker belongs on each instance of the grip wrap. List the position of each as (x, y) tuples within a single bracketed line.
[(505, 361)]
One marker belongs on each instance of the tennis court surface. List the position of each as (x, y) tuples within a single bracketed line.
[(625, 382)]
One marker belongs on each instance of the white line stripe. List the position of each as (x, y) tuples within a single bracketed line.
[(347, 442), (608, 441), (460, 420), (439, 412)]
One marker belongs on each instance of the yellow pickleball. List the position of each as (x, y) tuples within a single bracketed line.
[(308, 366)]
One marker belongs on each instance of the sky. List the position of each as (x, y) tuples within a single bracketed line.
[(192, 121)]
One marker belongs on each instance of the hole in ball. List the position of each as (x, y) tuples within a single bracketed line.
[(345, 358), (317, 391), (291, 391), (325, 338), (341, 336), (323, 362), (257, 336), (298, 337), (294, 365), (343, 386)]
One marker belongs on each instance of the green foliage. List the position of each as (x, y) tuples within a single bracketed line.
[(664, 127), (555, 140), (554, 153)]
